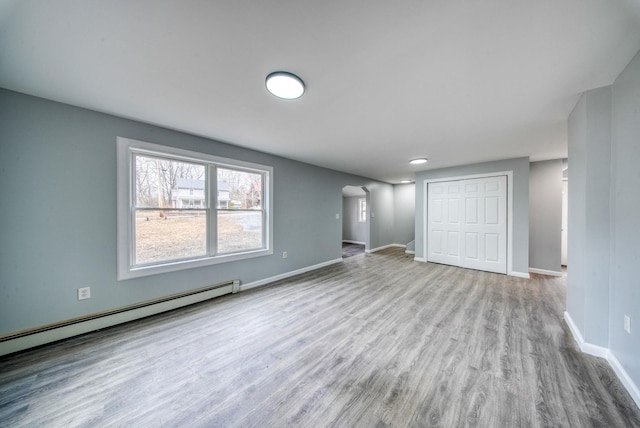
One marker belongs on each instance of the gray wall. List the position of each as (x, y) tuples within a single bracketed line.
[(625, 229), (352, 229), (404, 203), (381, 228), (588, 220), (520, 168), (58, 216), (576, 218), (603, 251), (545, 215)]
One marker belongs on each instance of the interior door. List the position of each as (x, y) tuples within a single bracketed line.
[(444, 222), (467, 223)]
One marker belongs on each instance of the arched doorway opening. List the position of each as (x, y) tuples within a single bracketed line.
[(355, 220)]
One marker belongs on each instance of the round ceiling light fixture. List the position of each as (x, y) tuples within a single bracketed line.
[(418, 161), (405, 181), (285, 85)]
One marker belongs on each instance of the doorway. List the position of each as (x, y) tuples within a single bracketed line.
[(355, 220)]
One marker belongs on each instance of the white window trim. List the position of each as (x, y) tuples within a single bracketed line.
[(125, 195)]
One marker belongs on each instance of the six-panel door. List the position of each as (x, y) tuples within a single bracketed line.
[(467, 223)]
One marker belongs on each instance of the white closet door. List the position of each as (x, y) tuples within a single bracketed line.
[(444, 222), (467, 223)]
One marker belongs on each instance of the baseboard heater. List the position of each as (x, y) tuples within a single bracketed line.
[(18, 341)]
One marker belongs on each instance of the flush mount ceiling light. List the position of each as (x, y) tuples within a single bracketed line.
[(285, 85), (418, 161), (405, 181)]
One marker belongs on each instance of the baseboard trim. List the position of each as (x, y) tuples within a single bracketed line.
[(261, 282), (347, 241), (49, 333), (512, 273), (519, 274), (384, 247), (587, 348), (624, 377), (577, 336), (602, 352), (545, 272), (409, 252)]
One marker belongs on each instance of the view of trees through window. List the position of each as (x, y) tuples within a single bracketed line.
[(156, 180), (172, 206), (245, 188)]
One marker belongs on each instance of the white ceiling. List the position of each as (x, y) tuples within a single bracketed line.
[(456, 81)]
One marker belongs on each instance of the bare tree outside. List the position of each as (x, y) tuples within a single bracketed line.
[(245, 187), (171, 206), (241, 226), (162, 230), (156, 180)]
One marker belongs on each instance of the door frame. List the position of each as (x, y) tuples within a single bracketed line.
[(564, 223), (367, 196), (425, 210)]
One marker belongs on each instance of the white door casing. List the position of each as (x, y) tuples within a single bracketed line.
[(564, 231), (467, 223)]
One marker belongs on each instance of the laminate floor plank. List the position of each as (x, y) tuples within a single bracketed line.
[(376, 341)]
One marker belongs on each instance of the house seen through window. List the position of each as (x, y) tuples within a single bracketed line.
[(188, 209)]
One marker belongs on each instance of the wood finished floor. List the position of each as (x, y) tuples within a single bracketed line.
[(376, 341), (350, 250)]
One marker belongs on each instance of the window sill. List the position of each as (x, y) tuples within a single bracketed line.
[(141, 271)]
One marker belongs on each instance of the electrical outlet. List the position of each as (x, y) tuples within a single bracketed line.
[(627, 323), (84, 293), (284, 255), (337, 216)]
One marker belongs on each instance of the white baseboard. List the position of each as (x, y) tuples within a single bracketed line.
[(519, 274), (512, 273), (587, 348), (347, 241), (384, 247), (545, 272), (65, 329), (577, 336), (409, 252), (602, 352), (624, 377), (275, 278)]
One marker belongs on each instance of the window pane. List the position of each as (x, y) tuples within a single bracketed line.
[(363, 210), (165, 183), (238, 231), (164, 235), (239, 189)]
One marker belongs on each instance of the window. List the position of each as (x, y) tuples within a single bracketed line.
[(362, 209), (179, 209)]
